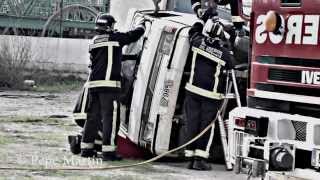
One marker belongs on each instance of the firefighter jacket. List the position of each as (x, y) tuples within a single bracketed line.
[(106, 55), (235, 17), (209, 60)]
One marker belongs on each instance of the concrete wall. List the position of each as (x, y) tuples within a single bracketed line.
[(69, 55)]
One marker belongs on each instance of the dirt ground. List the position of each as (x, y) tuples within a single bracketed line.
[(33, 131)]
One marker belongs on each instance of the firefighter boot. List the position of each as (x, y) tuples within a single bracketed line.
[(98, 147), (88, 153), (191, 162), (111, 156), (201, 164), (75, 142)]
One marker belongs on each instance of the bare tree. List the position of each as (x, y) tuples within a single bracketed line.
[(14, 56)]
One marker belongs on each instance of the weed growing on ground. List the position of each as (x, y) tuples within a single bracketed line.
[(13, 60)]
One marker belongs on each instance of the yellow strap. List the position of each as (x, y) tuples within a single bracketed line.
[(77, 116), (201, 153), (87, 145), (108, 148), (209, 56), (203, 92), (188, 153), (216, 77), (194, 57), (84, 100), (98, 142), (110, 59), (103, 83), (103, 44)]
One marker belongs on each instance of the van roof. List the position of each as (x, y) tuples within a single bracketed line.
[(182, 18)]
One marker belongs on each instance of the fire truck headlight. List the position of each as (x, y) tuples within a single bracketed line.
[(286, 130), (316, 135), (315, 161), (272, 21)]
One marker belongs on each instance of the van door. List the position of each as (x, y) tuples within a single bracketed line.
[(161, 59)]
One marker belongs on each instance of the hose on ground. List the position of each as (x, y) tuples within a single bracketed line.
[(120, 166)]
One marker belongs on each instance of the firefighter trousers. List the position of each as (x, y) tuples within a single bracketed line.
[(199, 113), (103, 111)]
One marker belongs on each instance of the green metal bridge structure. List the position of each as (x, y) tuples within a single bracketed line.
[(50, 18)]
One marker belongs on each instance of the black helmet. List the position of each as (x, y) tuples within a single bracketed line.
[(105, 23)]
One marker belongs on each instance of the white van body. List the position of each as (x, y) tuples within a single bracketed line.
[(157, 85)]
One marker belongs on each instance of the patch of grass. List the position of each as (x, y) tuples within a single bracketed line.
[(59, 87), (27, 119), (49, 81), (5, 140)]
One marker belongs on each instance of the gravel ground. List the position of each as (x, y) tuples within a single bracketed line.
[(33, 131)]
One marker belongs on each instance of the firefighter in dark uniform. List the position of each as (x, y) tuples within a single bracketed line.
[(104, 85), (205, 89), (237, 21)]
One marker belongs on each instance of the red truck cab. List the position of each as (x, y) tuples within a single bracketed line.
[(285, 65)]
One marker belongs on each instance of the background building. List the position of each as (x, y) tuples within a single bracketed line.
[(50, 18)]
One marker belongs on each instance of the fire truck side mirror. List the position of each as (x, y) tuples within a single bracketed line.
[(245, 8)]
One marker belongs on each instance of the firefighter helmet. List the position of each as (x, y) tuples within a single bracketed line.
[(213, 28), (105, 23)]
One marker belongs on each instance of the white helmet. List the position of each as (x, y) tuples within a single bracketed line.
[(213, 28)]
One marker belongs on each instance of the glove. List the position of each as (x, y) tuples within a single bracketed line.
[(140, 21), (208, 14)]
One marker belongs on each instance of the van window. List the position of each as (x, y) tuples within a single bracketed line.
[(183, 6)]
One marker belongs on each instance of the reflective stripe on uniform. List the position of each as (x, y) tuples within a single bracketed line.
[(201, 153), (209, 56), (236, 19), (114, 122), (77, 116), (87, 145), (216, 78), (98, 142), (84, 99), (194, 57), (110, 60), (206, 93), (108, 148), (103, 44), (203, 92), (104, 83), (100, 133), (210, 139), (188, 153)]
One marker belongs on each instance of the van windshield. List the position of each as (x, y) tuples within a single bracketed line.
[(183, 6)]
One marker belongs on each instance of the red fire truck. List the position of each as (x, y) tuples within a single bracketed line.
[(279, 130)]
